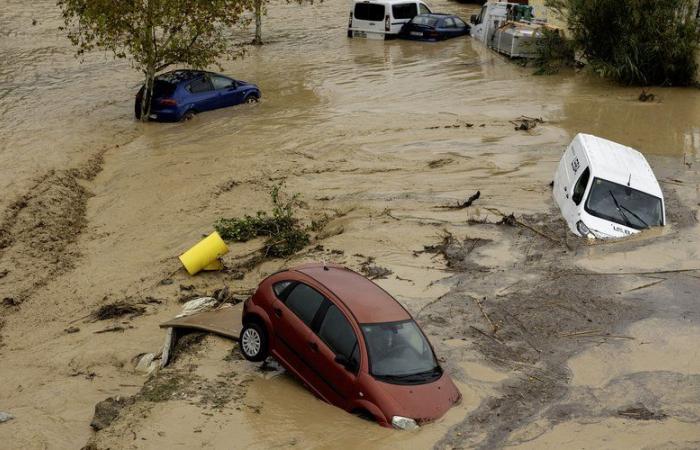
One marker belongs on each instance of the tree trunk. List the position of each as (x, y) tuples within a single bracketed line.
[(147, 94), (258, 23)]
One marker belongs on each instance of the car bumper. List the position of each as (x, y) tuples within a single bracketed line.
[(164, 115)]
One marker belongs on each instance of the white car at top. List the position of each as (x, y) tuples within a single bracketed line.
[(607, 190), (382, 19)]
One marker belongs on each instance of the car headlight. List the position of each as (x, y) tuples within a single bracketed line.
[(584, 230), (403, 423)]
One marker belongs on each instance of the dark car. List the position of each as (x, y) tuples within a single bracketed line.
[(349, 342), (434, 27), (181, 94)]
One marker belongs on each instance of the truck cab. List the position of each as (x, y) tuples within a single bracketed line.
[(607, 190)]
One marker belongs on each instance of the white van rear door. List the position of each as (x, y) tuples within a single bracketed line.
[(368, 18)]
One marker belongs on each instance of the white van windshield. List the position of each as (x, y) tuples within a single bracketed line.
[(405, 10), (369, 11), (624, 205)]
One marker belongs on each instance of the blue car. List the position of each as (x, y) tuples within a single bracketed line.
[(180, 94), (434, 27)]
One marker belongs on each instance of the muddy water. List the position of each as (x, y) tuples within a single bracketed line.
[(352, 125)]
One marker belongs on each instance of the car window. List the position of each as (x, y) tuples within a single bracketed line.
[(449, 23), (369, 11), (337, 333), (280, 286), (580, 187), (423, 9), (221, 82), (460, 23), (405, 10), (200, 85), (422, 20), (304, 301)]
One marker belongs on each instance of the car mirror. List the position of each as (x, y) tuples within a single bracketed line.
[(472, 19)]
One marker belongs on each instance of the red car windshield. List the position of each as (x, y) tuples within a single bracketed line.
[(399, 352)]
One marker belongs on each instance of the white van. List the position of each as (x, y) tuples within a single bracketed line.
[(382, 19), (607, 190)]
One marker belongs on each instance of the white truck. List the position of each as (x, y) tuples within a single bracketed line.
[(607, 190), (509, 28)]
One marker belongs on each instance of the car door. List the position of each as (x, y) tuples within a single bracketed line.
[(461, 27), (449, 28), (227, 90), (292, 316), (335, 354), (202, 95)]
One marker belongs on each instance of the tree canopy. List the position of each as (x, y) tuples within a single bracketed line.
[(155, 34), (636, 41)]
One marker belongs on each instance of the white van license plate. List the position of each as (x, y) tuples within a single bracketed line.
[(417, 33), (359, 34)]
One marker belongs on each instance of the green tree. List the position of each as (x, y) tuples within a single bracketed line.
[(635, 41), (155, 34)]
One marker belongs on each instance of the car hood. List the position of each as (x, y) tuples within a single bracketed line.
[(424, 402)]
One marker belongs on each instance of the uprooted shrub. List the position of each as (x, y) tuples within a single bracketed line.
[(284, 233), (639, 42)]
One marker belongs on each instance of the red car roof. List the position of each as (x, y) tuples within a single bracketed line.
[(368, 302)]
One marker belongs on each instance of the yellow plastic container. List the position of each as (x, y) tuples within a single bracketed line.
[(204, 255)]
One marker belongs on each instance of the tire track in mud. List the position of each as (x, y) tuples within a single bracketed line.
[(38, 230), (531, 331)]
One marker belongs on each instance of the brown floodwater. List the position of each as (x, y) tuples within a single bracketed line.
[(352, 126)]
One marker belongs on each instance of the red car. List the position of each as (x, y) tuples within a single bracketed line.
[(350, 342)]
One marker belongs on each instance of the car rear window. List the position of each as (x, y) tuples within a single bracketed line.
[(163, 88), (304, 301), (405, 10), (369, 11), (422, 20)]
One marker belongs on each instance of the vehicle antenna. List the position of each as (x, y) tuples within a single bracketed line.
[(629, 180)]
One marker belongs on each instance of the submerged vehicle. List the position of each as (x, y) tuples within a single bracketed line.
[(181, 94), (607, 190), (382, 19), (349, 342), (508, 28), (434, 27)]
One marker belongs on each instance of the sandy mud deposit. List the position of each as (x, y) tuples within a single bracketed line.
[(553, 342)]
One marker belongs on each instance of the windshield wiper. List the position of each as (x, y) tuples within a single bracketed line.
[(635, 215), (619, 209)]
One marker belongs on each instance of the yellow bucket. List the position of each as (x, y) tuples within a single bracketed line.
[(204, 255)]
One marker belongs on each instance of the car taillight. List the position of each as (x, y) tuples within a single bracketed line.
[(387, 23), (167, 102), (350, 20)]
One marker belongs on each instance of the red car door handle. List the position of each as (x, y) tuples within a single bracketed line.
[(313, 346), (278, 312)]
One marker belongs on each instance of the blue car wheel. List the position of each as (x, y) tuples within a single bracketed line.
[(251, 98)]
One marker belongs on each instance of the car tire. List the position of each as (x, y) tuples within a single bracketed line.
[(253, 342), (252, 98), (189, 115)]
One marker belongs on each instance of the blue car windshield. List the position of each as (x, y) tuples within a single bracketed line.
[(422, 20), (399, 350)]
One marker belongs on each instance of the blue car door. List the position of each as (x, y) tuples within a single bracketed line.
[(450, 29), (227, 90), (202, 96)]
